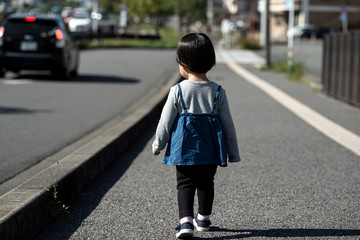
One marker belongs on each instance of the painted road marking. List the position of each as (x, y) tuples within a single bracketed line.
[(329, 128), (16, 82), (239, 56)]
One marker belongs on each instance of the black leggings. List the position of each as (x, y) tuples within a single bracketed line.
[(190, 179)]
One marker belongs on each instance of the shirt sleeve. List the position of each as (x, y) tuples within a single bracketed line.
[(166, 122), (229, 129)]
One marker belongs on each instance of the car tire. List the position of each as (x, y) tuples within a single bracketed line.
[(62, 74), (74, 73), (2, 73)]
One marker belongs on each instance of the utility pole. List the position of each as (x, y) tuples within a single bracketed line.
[(267, 34), (95, 24), (344, 19), (290, 55), (178, 17), (252, 20), (210, 14)]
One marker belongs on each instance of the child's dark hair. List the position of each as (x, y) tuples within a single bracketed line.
[(196, 52)]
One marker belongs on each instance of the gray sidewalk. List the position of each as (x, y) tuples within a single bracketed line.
[(293, 181)]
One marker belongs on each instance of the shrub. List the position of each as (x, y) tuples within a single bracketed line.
[(245, 43)]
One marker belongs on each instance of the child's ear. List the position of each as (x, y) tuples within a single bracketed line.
[(185, 68)]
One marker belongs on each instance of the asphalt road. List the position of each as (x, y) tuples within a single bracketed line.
[(293, 181), (39, 116)]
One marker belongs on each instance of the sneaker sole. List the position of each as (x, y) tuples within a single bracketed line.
[(201, 229), (185, 233)]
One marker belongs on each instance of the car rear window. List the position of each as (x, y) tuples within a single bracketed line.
[(81, 15), (38, 28)]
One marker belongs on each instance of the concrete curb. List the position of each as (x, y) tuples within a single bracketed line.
[(29, 207)]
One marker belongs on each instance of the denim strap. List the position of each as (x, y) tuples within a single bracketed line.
[(215, 99), (181, 99)]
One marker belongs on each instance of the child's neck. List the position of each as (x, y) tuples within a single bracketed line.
[(198, 77)]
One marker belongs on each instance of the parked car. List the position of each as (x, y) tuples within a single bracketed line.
[(310, 31), (80, 24), (37, 42), (105, 26), (317, 32)]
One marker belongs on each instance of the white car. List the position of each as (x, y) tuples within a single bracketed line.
[(80, 24)]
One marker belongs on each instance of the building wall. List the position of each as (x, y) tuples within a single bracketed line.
[(278, 26), (328, 14), (279, 15), (322, 13), (331, 19), (334, 2)]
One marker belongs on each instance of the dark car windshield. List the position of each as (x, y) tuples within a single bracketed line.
[(38, 28)]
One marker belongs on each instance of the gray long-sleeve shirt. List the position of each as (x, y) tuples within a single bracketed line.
[(198, 98)]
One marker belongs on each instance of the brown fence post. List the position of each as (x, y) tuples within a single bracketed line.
[(341, 67), (326, 64), (355, 88), (341, 61), (333, 65), (348, 68)]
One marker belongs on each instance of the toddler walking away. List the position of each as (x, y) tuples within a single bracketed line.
[(197, 127)]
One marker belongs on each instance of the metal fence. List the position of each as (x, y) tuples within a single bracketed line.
[(341, 67)]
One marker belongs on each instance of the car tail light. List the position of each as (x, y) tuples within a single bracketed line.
[(30, 19), (59, 35), (60, 42), (2, 29)]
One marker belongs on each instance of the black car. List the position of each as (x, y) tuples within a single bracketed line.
[(311, 32), (318, 32), (37, 42)]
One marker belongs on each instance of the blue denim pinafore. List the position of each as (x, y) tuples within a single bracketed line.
[(197, 139)]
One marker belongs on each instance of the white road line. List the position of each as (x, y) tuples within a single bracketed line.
[(239, 56), (329, 128), (16, 82)]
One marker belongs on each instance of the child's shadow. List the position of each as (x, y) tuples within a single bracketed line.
[(298, 232)]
